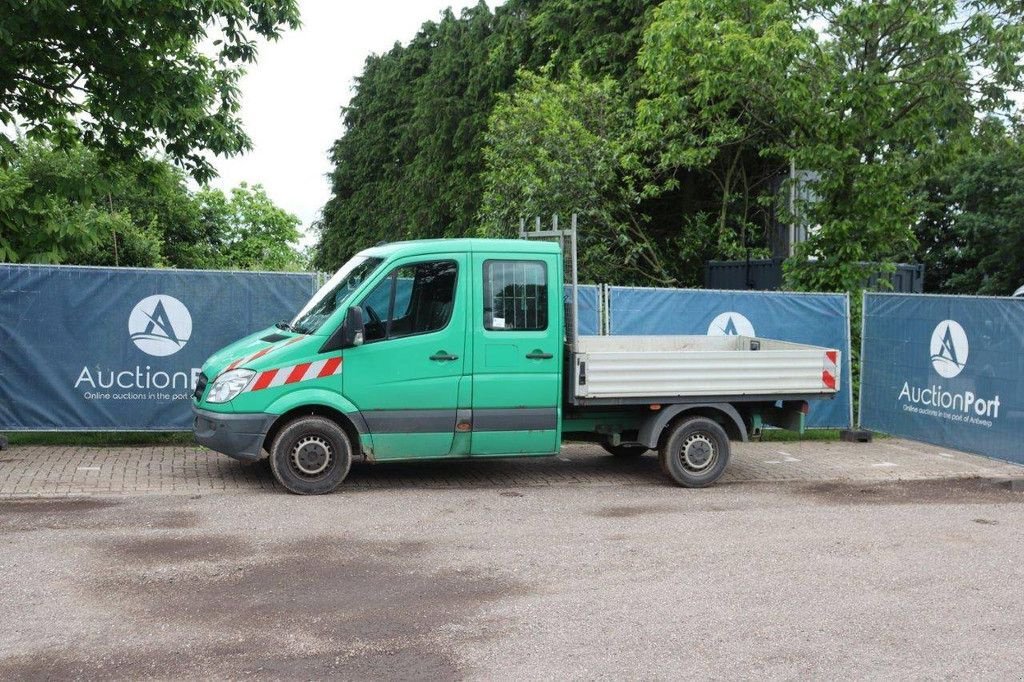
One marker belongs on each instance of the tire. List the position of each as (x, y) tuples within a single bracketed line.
[(694, 452), (624, 450), (311, 456)]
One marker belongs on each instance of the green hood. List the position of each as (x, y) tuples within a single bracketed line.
[(265, 349)]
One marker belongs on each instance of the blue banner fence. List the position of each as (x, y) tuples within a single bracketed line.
[(815, 319), (589, 310), (946, 370), (85, 348)]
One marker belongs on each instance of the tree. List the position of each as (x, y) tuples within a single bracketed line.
[(130, 76), (705, 64), (973, 229), (120, 242), (156, 196), (44, 196), (71, 206), (566, 147), (157, 219), (873, 96), (599, 37), (249, 231), (409, 161), (899, 86)]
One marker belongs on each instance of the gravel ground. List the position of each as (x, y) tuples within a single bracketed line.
[(787, 579)]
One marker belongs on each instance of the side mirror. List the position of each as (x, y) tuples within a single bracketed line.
[(349, 334), (352, 329)]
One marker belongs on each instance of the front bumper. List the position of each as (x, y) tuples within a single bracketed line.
[(236, 435)]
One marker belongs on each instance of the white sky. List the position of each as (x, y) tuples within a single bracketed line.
[(292, 96)]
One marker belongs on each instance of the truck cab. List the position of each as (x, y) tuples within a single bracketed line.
[(452, 348), (428, 349)]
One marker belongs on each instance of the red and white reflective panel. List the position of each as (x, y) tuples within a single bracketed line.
[(306, 371), (829, 370), (260, 353)]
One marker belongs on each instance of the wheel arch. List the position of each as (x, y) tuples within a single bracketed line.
[(351, 423), (723, 413)]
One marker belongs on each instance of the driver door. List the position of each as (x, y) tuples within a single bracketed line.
[(405, 377)]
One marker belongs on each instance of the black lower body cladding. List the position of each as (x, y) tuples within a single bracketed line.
[(444, 421), (242, 436), (236, 435)]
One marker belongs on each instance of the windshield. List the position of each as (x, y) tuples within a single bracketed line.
[(326, 301)]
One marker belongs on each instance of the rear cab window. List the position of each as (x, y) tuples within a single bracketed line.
[(515, 295)]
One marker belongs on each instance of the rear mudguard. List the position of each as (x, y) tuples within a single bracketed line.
[(650, 432)]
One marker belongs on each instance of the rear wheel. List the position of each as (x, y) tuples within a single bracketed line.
[(695, 452), (311, 456), (624, 450)]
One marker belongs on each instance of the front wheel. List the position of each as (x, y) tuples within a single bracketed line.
[(311, 456), (695, 452)]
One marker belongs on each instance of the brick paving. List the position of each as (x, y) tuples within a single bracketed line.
[(27, 471)]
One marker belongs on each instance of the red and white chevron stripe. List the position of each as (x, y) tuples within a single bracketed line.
[(294, 374), (260, 353), (829, 371)]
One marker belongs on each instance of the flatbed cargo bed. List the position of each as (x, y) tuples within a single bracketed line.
[(674, 368)]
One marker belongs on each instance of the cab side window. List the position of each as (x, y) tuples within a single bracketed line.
[(515, 295), (413, 299)]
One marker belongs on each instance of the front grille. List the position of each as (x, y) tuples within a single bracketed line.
[(200, 386)]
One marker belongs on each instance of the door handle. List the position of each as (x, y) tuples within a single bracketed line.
[(538, 354), (442, 356)]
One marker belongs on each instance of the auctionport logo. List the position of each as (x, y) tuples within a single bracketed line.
[(731, 324), (160, 325), (949, 348), (948, 351)]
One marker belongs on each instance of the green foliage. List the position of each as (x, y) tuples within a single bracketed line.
[(712, 69), (410, 160), (43, 197), (700, 239), (408, 164), (120, 241), (872, 96), (127, 76), (972, 233), (101, 438), (559, 147), (706, 68), (894, 90), (600, 37), (95, 88), (251, 232), (897, 88), (73, 206), (672, 126), (389, 185), (155, 195)]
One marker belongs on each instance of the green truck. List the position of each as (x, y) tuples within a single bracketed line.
[(467, 348)]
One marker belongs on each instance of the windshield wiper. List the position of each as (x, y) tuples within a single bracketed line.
[(284, 326)]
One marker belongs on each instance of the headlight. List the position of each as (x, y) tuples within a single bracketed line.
[(229, 384)]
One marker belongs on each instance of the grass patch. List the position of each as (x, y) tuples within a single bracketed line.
[(783, 436), (101, 438)]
